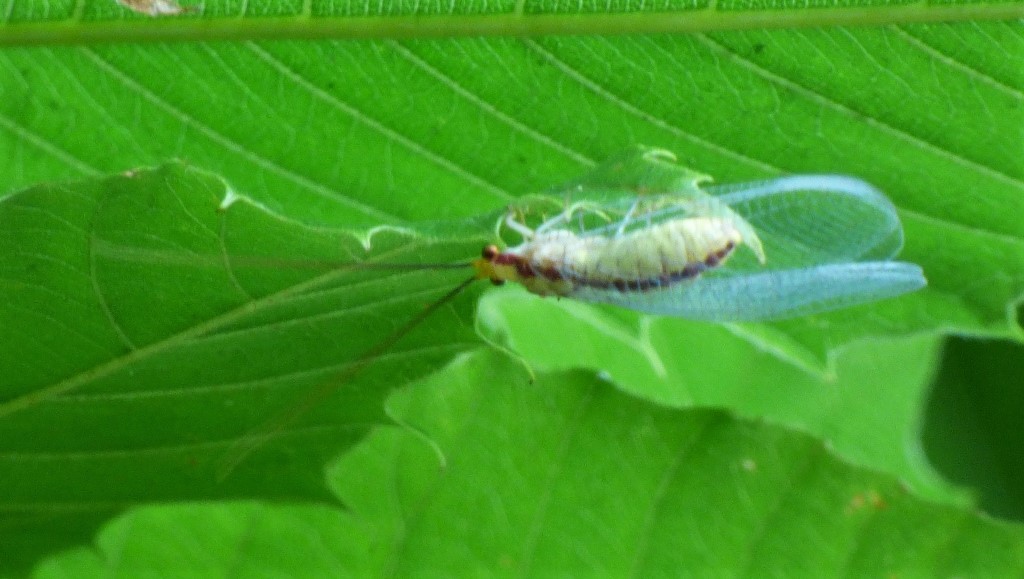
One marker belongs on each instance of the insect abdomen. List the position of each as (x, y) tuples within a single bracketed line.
[(664, 249), (641, 260)]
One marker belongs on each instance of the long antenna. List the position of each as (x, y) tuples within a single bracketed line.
[(163, 257), (250, 442)]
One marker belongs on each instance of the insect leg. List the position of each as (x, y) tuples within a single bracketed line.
[(562, 217), (519, 228), (578, 209), (626, 219)]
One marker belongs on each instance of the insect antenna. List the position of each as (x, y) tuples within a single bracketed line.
[(164, 257), (250, 442)]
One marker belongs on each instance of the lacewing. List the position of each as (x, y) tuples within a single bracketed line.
[(642, 233), (674, 255)]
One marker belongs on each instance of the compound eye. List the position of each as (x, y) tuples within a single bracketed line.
[(490, 252)]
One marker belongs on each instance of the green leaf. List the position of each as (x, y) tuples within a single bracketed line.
[(868, 409), (179, 323), (142, 346), (350, 135), (568, 476), (367, 133)]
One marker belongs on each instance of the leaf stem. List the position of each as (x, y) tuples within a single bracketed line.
[(191, 28)]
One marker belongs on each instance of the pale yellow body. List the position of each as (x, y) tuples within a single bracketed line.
[(559, 261)]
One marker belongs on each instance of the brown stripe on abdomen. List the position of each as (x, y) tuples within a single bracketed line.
[(690, 271)]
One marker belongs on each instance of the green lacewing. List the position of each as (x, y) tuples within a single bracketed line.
[(665, 243)]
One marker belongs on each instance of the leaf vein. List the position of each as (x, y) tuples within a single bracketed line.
[(378, 126), (488, 108), (872, 122), (588, 83), (233, 146)]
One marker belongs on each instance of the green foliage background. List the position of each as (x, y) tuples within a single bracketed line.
[(573, 438)]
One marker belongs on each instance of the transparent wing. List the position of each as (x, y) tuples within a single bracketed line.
[(773, 294), (805, 220), (827, 239)]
